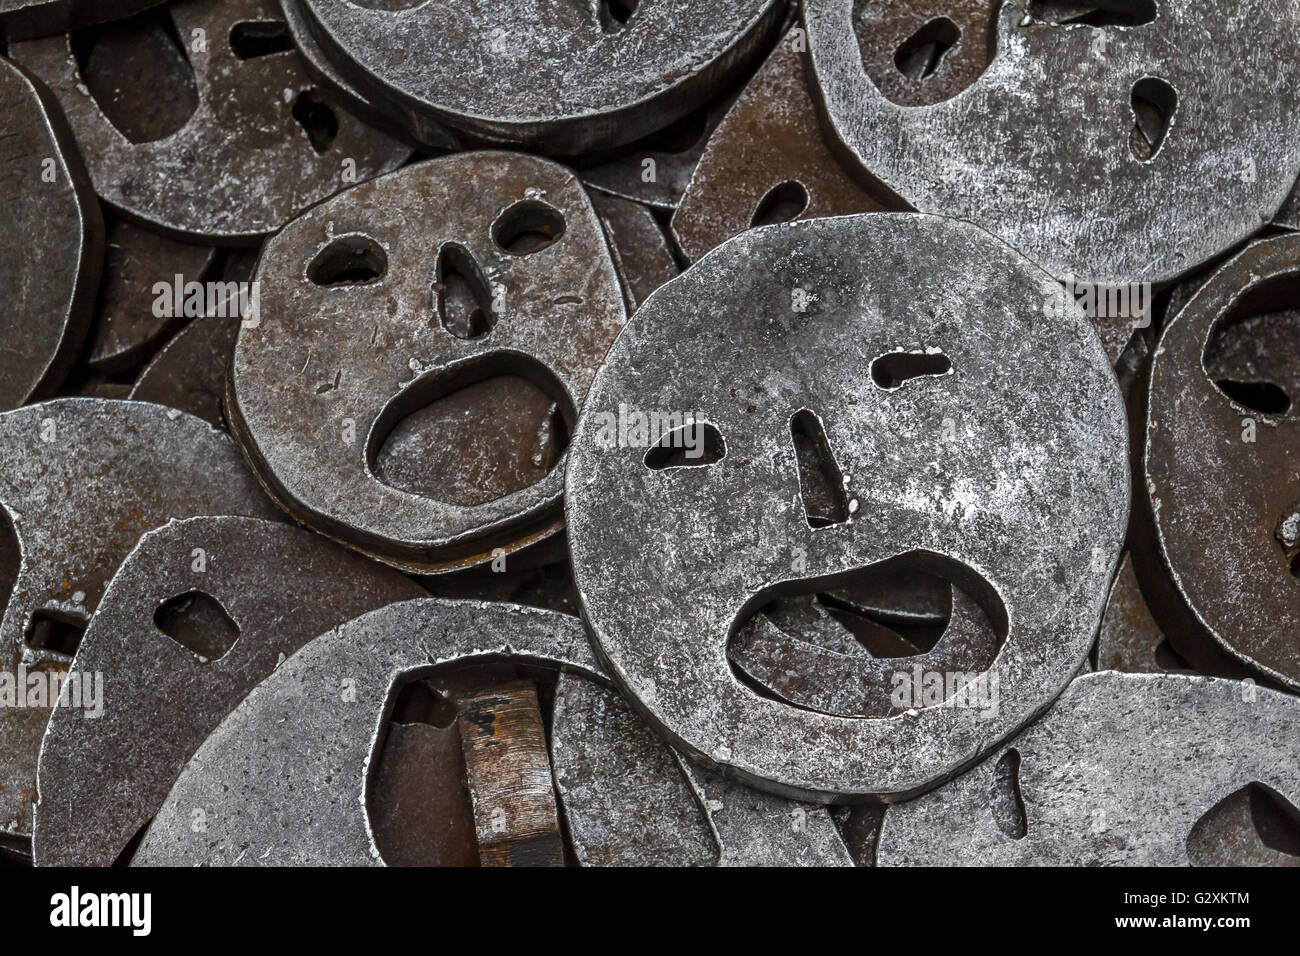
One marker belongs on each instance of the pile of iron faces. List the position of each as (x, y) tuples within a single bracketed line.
[(642, 433)]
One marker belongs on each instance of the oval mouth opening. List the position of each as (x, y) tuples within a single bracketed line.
[(1252, 353), (920, 630), (474, 433)]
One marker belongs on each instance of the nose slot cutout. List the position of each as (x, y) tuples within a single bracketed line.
[(351, 259), (317, 119), (197, 621), (1005, 800), (1253, 826), (1114, 13), (821, 482), (528, 226), (691, 445), (784, 202), (921, 54), (1154, 103), (892, 369), (461, 297), (479, 432), (139, 74), (250, 39)]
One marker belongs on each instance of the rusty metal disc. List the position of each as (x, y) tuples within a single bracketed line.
[(1152, 153), (50, 259), (1222, 459), (226, 138), (199, 613), (563, 78), (80, 481), (853, 355), (424, 344), (1125, 769)]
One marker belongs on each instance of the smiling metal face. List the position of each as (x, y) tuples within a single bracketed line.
[(867, 387)]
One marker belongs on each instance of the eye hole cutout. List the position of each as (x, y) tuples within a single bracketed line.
[(55, 631), (349, 260), (1250, 352), (528, 226), (462, 299), (197, 621), (615, 14), (892, 369), (251, 39), (692, 445), (138, 59), (1112, 13), (1252, 826), (1153, 102), (317, 119), (921, 54), (784, 202), (1005, 799), (821, 482)]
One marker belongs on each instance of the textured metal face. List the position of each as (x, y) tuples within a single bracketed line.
[(24, 19), (629, 800), (245, 161), (914, 347), (1125, 769), (81, 480), (103, 777), (283, 779), (767, 162), (1223, 457), (50, 262), (562, 77), (410, 290), (1114, 154)]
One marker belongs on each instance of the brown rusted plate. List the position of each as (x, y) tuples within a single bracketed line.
[(508, 773), (226, 137), (766, 162)]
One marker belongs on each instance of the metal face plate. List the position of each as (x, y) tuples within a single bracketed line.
[(806, 324), (103, 776), (564, 78), (81, 480), (1224, 472), (359, 335), (191, 370), (50, 260), (269, 799), (244, 162), (1046, 159), (1123, 770)]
